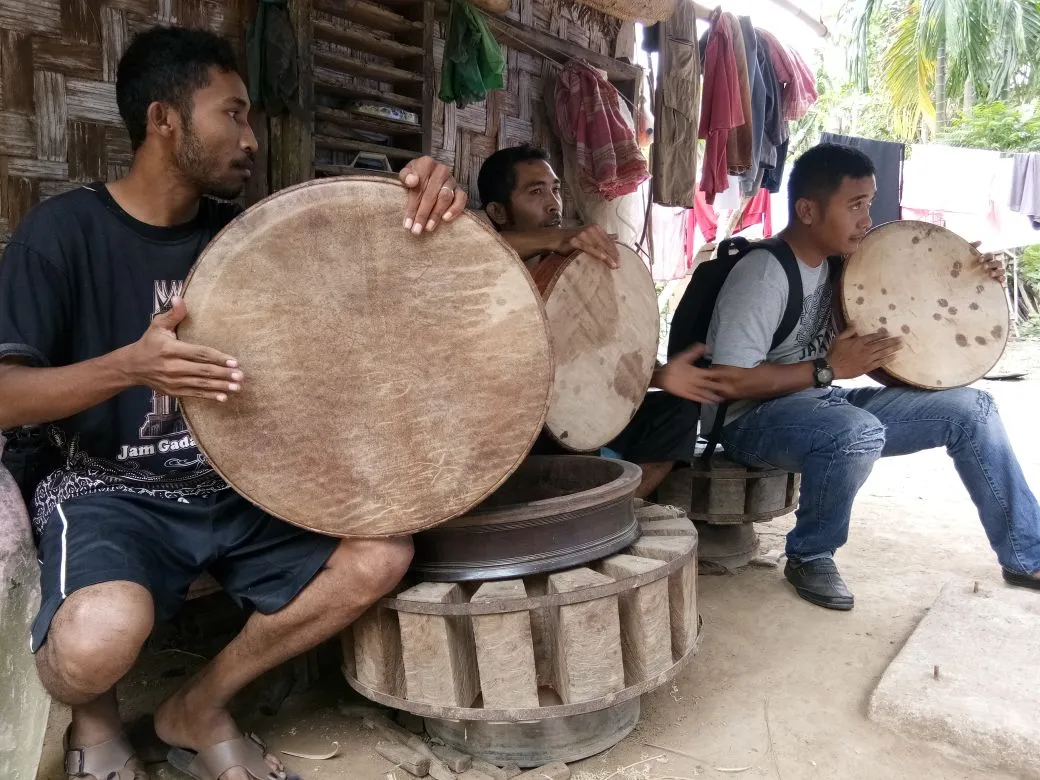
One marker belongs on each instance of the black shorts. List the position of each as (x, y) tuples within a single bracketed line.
[(164, 545), (663, 429)]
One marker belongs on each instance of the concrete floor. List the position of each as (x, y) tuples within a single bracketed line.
[(780, 687)]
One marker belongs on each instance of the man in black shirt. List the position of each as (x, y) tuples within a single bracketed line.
[(520, 194), (132, 513)]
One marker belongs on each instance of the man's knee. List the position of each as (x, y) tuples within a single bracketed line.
[(96, 636), (376, 565), (967, 405), (857, 433)]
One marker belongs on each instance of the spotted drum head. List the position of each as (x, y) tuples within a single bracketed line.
[(925, 284)]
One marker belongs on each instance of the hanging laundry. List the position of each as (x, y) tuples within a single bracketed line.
[(589, 117), (721, 105), (1025, 187), (776, 129), (750, 181), (677, 108), (474, 64), (738, 147), (948, 178), (888, 165), (671, 260), (759, 211), (796, 77), (274, 78)]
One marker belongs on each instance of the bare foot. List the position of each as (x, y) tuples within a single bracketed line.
[(183, 722)]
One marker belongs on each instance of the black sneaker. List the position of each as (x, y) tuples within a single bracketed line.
[(1021, 580), (819, 583)]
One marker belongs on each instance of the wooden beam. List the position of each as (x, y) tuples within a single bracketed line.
[(815, 25), (369, 14), (526, 39), (374, 124), (365, 41), (348, 145), (328, 80), (368, 70)]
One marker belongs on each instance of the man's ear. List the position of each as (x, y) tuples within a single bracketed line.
[(806, 211), (162, 119), (498, 214)]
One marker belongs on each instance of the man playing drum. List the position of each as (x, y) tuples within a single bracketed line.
[(520, 193), (134, 513), (784, 412)]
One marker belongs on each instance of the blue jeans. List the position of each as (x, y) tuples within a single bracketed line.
[(834, 439)]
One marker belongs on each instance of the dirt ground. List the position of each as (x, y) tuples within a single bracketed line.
[(779, 688)]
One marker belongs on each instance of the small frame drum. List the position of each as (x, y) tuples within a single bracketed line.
[(605, 325), (924, 283)]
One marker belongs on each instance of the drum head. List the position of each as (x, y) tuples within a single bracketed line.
[(392, 382), (604, 326), (924, 283)]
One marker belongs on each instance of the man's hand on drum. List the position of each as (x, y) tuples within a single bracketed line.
[(161, 361), (592, 240), (680, 377), (433, 195), (993, 265), (853, 356)]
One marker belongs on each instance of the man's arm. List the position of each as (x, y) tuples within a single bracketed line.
[(850, 356), (592, 239), (30, 396)]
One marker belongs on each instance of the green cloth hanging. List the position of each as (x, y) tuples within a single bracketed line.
[(474, 64)]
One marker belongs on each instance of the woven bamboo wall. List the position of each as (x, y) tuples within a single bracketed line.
[(463, 138), (59, 125)]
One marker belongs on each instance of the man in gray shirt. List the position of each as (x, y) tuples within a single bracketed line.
[(784, 412)]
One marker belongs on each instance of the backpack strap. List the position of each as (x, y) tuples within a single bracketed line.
[(792, 313), (782, 252)]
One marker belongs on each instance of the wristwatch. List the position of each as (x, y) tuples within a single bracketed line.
[(823, 374)]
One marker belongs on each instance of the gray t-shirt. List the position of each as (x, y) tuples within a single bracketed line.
[(748, 312)]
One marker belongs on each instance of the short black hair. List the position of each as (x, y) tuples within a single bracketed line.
[(818, 173), (497, 178), (167, 65)]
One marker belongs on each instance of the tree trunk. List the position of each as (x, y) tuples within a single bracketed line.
[(969, 95), (940, 89)]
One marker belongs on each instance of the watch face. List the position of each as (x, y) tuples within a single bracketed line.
[(825, 375)]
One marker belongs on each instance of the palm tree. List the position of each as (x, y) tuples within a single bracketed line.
[(932, 51)]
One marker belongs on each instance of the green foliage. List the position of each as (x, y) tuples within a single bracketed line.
[(991, 50), (996, 126), (1029, 266)]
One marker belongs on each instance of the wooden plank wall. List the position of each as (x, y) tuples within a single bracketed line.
[(60, 127), (59, 124)]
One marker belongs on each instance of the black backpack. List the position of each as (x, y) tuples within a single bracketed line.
[(693, 314)]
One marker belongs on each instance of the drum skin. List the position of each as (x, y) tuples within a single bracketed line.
[(391, 381), (925, 284), (605, 326)]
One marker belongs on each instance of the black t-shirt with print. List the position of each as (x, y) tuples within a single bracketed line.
[(79, 279)]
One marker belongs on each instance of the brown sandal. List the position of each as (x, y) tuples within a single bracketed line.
[(210, 763), (107, 761)]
